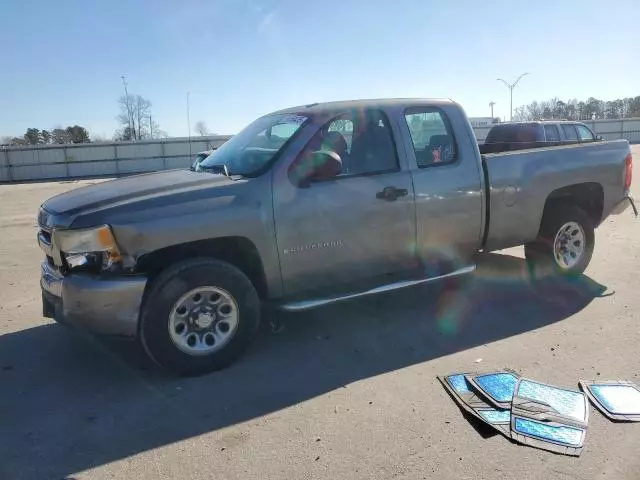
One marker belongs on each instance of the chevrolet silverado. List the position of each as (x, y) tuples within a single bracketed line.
[(308, 206)]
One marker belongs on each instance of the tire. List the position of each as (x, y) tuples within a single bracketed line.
[(574, 225), (183, 342)]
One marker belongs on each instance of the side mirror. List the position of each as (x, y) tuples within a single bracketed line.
[(599, 138), (315, 166)]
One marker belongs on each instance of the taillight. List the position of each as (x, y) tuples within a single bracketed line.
[(628, 171)]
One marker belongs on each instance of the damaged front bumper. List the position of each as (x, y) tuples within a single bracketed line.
[(108, 306)]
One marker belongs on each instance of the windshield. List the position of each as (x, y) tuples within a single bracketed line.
[(249, 151)]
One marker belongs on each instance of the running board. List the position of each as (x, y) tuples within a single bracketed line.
[(318, 302)]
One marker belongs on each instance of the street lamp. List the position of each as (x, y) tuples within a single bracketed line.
[(511, 86)]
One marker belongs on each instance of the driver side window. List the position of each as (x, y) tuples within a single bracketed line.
[(358, 142)]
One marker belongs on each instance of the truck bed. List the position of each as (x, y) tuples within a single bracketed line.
[(520, 182), (499, 147)]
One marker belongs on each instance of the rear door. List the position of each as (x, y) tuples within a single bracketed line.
[(551, 134), (350, 227), (569, 133), (447, 180)]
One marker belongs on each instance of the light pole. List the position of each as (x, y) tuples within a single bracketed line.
[(189, 123), (511, 86), (129, 113), (491, 104)]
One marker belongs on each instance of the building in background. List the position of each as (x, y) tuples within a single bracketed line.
[(483, 121)]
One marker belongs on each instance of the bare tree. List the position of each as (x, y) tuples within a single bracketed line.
[(536, 110), (60, 136), (521, 114), (98, 138), (573, 109), (143, 116), (18, 141), (135, 118), (201, 128)]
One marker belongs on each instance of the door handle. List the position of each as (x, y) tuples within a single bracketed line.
[(391, 193)]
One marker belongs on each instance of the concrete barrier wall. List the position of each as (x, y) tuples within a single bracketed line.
[(101, 159), (44, 162)]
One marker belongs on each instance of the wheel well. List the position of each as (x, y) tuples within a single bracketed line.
[(588, 196), (238, 251)]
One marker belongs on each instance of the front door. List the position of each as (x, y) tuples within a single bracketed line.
[(351, 225)]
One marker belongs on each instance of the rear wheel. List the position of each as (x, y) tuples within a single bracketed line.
[(565, 242), (199, 316)]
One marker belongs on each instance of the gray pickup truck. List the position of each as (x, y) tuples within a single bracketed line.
[(308, 206)]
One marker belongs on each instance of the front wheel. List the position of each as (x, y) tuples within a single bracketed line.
[(199, 316), (565, 242)]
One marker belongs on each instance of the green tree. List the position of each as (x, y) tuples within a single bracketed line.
[(78, 134), (32, 137), (45, 135)]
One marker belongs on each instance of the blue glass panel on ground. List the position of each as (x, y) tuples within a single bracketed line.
[(495, 416), (565, 402), (560, 434), (618, 399), (459, 383), (499, 386)]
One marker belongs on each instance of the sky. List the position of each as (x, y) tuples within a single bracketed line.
[(63, 60)]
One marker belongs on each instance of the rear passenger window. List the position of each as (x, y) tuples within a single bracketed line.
[(570, 132), (551, 133), (584, 133), (433, 141)]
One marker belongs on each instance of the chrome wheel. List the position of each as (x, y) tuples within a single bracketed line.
[(203, 320), (569, 245)]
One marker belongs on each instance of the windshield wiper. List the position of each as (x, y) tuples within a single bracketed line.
[(220, 170)]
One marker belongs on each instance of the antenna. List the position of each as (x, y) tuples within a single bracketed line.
[(189, 125), (129, 112)]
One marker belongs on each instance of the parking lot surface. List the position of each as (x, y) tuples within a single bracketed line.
[(348, 391)]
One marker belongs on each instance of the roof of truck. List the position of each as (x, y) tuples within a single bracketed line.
[(326, 107)]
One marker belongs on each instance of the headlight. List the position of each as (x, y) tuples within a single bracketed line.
[(88, 247)]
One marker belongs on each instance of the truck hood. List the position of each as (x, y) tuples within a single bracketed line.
[(130, 190)]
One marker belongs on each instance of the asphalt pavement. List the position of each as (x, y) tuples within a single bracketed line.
[(347, 391)]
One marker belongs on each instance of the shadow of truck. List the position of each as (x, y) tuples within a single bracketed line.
[(67, 406)]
